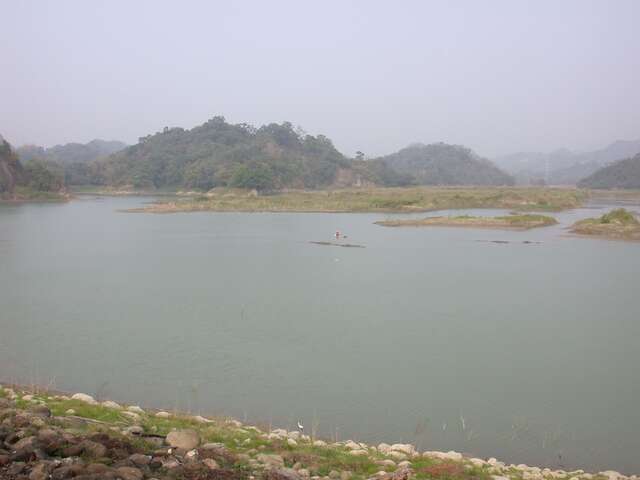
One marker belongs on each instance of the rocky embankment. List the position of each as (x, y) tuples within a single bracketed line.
[(46, 436)]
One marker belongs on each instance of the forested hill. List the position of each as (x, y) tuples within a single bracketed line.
[(274, 157), (218, 153), (621, 174), (30, 180), (70, 152), (444, 164), (10, 169)]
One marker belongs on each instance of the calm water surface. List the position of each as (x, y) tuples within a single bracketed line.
[(526, 352)]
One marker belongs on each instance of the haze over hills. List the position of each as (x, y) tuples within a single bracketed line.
[(276, 156), (566, 167), (71, 152), (443, 164), (621, 174), (31, 179)]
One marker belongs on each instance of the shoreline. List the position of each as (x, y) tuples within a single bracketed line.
[(167, 444), (513, 222)]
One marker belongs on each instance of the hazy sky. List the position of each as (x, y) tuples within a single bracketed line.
[(498, 76)]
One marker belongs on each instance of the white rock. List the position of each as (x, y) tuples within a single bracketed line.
[(135, 409), (83, 397), (111, 404), (529, 475), (351, 445), (384, 448), (185, 439), (405, 448), (27, 398), (406, 463), (611, 474), (303, 472), (291, 442), (358, 453), (163, 414), (386, 463), (295, 435), (319, 443), (478, 462), (498, 477), (71, 411), (201, 419), (451, 455), (191, 454), (132, 415), (397, 455)]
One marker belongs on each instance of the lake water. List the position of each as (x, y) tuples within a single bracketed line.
[(526, 352)]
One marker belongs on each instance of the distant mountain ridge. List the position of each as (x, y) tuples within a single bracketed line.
[(71, 152), (444, 164), (621, 174), (565, 166), (278, 156)]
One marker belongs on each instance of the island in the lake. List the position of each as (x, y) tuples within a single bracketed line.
[(618, 224), (507, 222), (380, 199)]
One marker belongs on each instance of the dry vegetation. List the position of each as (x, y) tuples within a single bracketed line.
[(510, 222), (416, 199)]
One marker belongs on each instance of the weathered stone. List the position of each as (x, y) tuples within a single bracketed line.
[(40, 472), (83, 397), (345, 475), (25, 442), (70, 411), (319, 443), (211, 464), (170, 463), (132, 415), (97, 468), (405, 448), (201, 419), (397, 455), (359, 453), (135, 430), (111, 404), (163, 414), (291, 442), (282, 474), (271, 460), (94, 449), (40, 411), (139, 459), (185, 439), (136, 409), (129, 473)]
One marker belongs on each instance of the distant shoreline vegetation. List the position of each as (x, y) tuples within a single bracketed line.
[(508, 222), (402, 200)]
